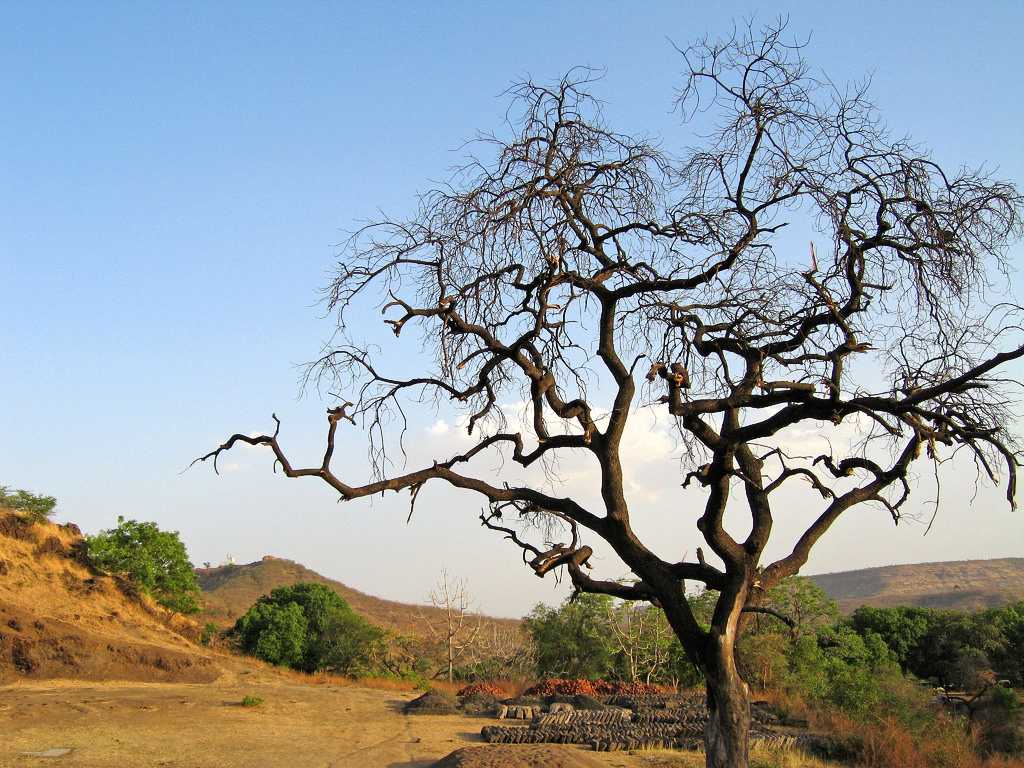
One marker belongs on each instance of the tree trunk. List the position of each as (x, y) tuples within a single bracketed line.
[(727, 733)]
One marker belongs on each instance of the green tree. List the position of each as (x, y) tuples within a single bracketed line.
[(311, 628), (803, 601), (573, 640), (598, 637), (154, 560), (36, 506), (1008, 658), (763, 658), (902, 629), (842, 668), (275, 633)]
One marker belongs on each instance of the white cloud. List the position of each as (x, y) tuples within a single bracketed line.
[(440, 427)]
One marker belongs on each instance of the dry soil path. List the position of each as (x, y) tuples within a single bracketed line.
[(298, 725)]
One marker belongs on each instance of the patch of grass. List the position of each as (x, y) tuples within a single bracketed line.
[(251, 701), (770, 756)]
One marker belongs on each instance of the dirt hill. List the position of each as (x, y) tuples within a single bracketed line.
[(60, 620), (230, 590), (966, 585)]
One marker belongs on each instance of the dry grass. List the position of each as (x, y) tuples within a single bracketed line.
[(761, 756), (765, 756), (886, 742), (68, 621)]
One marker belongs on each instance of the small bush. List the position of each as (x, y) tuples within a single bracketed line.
[(36, 507), (251, 701), (210, 632)]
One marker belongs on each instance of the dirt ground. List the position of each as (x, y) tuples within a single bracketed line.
[(67, 632), (298, 725)]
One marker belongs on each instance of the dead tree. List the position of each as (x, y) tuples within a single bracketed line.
[(457, 627), (640, 636), (593, 274), (505, 648)]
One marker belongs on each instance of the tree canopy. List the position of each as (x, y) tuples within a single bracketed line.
[(156, 561), (591, 274), (37, 506), (308, 627)]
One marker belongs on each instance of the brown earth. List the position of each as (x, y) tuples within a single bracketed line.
[(519, 756), (966, 585), (298, 725), (58, 619)]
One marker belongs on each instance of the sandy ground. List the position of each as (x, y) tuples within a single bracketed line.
[(177, 725)]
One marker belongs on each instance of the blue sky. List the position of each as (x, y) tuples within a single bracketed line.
[(174, 180)]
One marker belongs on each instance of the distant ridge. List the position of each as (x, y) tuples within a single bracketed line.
[(966, 585), (229, 591)]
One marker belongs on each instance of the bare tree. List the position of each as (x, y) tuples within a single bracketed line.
[(458, 628), (594, 274), (505, 647), (641, 636)]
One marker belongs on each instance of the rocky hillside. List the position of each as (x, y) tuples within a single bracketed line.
[(229, 591), (58, 619), (966, 585)]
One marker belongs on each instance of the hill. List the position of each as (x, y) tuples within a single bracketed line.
[(966, 585), (229, 591), (58, 619)]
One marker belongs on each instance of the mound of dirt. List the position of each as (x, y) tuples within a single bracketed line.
[(58, 619), (518, 756), (479, 704), (432, 702)]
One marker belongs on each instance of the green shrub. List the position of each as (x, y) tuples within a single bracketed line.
[(762, 659), (154, 560), (251, 701), (309, 627), (36, 507), (210, 631), (843, 669), (572, 640)]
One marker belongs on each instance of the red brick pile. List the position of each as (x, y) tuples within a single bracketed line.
[(560, 687), (488, 689)]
